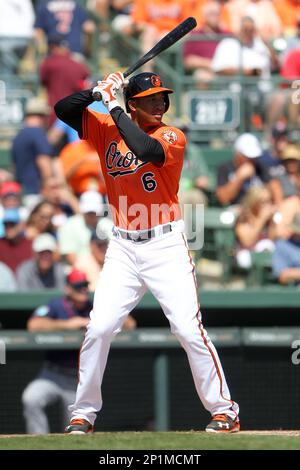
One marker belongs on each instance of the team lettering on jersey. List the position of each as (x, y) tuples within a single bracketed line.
[(118, 164)]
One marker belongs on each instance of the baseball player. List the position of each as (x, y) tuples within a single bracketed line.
[(141, 161)]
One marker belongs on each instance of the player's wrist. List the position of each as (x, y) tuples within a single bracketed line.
[(112, 105)]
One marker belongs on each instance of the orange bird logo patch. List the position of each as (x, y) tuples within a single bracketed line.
[(155, 80)]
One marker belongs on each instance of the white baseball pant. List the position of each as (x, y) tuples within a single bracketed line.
[(162, 265)]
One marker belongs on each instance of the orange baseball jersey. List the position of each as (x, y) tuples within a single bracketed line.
[(141, 194), (164, 14)]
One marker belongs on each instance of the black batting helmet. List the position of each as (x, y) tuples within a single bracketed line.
[(145, 84)]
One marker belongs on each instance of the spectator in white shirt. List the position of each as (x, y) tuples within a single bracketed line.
[(247, 54), (16, 30)]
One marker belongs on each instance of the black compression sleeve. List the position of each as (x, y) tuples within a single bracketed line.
[(70, 109), (141, 144)]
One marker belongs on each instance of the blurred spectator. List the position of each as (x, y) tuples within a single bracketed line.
[(44, 271), (198, 8), (65, 203), (40, 220), (14, 246), (286, 211), (288, 183), (61, 134), (291, 66), (237, 176), (122, 18), (271, 157), (254, 227), (68, 18), (156, 18), (286, 257), (11, 197), (60, 74), (247, 54), (75, 235), (57, 381), (5, 175), (16, 30), (289, 13), (282, 104), (8, 281), (92, 263), (196, 178), (58, 378), (197, 54), (263, 13), (292, 42), (81, 167), (31, 151), (102, 9)]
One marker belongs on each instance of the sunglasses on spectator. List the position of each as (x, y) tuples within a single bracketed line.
[(79, 285)]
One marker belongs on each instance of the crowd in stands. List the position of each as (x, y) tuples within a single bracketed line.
[(54, 224), (52, 201)]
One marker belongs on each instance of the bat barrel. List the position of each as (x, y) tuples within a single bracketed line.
[(171, 38)]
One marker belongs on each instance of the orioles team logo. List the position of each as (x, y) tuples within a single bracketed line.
[(170, 136), (118, 164), (155, 80)]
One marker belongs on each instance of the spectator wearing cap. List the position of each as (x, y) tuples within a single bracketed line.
[(75, 235), (271, 157), (11, 198), (57, 380), (43, 271), (60, 74), (14, 246), (287, 183), (31, 151), (286, 256), (68, 19), (237, 176)]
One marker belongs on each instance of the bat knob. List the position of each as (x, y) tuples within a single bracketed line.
[(97, 96)]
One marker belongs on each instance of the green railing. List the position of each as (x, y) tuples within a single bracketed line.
[(161, 341), (273, 297)]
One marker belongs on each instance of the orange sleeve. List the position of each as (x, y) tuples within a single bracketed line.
[(173, 141), (93, 125), (139, 12)]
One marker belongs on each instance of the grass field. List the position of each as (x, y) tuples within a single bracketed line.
[(263, 440)]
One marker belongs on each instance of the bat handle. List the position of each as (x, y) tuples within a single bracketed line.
[(97, 96)]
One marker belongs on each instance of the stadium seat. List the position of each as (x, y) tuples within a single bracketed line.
[(5, 159)]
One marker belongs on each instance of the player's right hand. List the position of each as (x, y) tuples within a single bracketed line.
[(108, 93)]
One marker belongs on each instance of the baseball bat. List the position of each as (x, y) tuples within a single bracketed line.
[(168, 40)]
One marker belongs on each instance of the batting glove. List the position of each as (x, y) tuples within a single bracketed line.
[(108, 89), (116, 78)]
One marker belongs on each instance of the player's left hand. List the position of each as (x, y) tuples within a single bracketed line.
[(116, 78)]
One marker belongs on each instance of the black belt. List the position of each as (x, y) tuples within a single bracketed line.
[(142, 235)]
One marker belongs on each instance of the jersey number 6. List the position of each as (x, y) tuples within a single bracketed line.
[(149, 182)]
